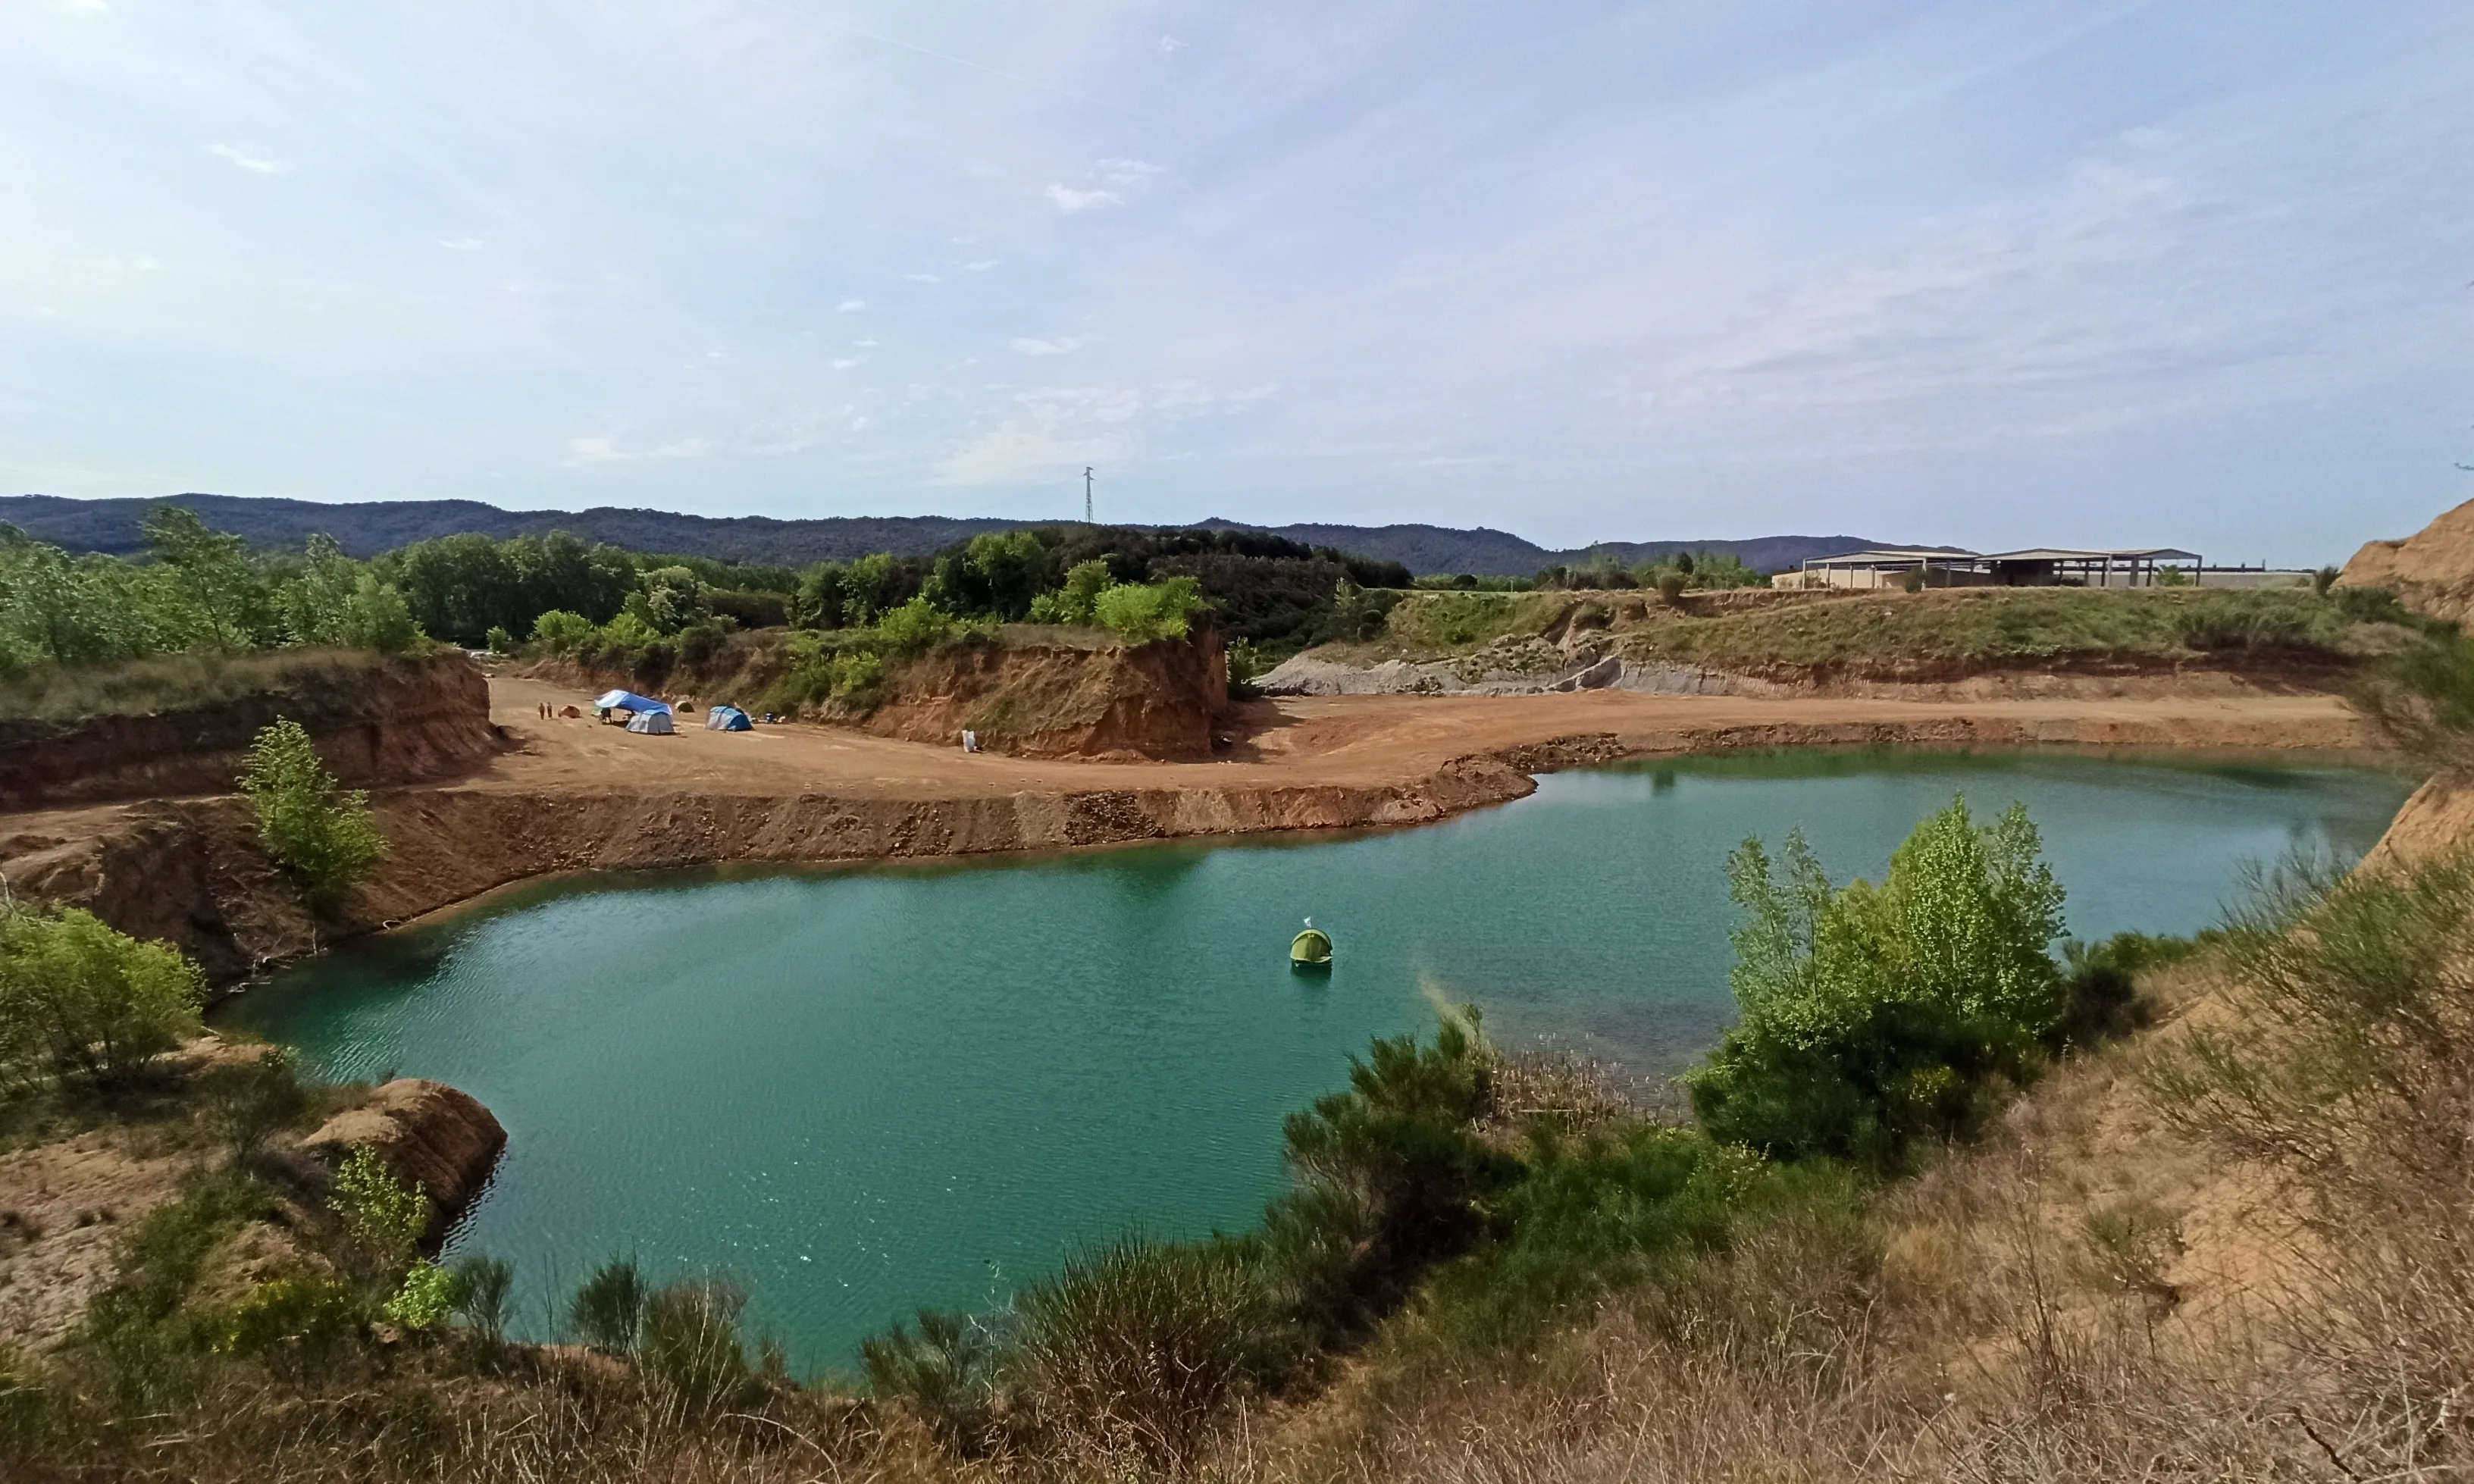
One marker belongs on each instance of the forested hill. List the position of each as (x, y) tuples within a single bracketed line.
[(366, 528)]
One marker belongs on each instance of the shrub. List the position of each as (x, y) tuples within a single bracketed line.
[(1140, 1345), (319, 833), (945, 1374), (76, 996), (497, 641), (1141, 612), (2210, 623), (914, 625), (424, 1296), (751, 608), (689, 1341), (608, 1308), (294, 1311), (483, 1294), (1076, 602), (245, 1100), (1870, 1016), (383, 1214), (2422, 698), (1396, 1162), (2098, 988), (2345, 1064)]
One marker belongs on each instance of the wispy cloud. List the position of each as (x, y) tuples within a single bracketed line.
[(922, 277), (1047, 434), (1059, 346), (981, 266), (461, 244), (605, 449), (1169, 46), (850, 307), (1068, 199), (247, 161)]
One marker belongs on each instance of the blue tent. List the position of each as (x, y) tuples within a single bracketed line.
[(629, 700), (727, 719)]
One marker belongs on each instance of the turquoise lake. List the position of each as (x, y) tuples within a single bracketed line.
[(860, 1091)]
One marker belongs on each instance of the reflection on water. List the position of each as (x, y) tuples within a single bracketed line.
[(865, 1090)]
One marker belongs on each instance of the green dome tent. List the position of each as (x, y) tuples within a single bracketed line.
[(1311, 949)]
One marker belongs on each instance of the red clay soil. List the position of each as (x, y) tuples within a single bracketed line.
[(374, 720), (1158, 700), (581, 795)]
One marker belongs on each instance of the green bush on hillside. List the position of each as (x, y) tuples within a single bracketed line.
[(1141, 612), (79, 998), (385, 1215), (1873, 1016), (1076, 599), (320, 833), (1135, 1346)]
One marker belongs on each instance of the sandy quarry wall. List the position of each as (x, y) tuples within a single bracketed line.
[(375, 721), (2432, 571), (1156, 700)]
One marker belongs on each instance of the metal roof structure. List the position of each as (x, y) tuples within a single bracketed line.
[(2065, 554)]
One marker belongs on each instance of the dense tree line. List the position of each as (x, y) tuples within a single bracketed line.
[(196, 589)]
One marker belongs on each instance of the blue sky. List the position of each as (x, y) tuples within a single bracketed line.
[(2078, 273)]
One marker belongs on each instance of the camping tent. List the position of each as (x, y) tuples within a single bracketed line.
[(629, 700), (726, 718), (656, 723)]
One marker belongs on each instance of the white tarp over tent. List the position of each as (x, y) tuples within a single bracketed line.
[(629, 700)]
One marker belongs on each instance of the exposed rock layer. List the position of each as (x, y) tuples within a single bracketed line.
[(191, 870), (437, 1137), (375, 721), (1154, 700), (2432, 571)]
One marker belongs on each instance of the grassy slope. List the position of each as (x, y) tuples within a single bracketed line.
[(1899, 635), (179, 681)]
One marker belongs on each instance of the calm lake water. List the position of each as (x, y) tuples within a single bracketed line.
[(865, 1090)]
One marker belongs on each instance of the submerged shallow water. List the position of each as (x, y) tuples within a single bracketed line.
[(865, 1090)]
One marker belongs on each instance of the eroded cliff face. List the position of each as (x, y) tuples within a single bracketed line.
[(2432, 571), (375, 721), (1156, 700), (439, 1138)]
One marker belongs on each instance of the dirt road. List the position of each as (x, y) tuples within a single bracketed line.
[(1357, 741), (575, 794)]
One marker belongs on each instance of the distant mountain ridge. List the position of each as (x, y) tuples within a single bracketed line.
[(365, 528)]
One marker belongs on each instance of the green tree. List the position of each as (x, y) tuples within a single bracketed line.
[(1012, 568), (210, 581), (561, 632), (76, 996), (1141, 612), (52, 605), (1872, 1014), (819, 600), (385, 1215), (320, 833), (670, 599), (1076, 599)]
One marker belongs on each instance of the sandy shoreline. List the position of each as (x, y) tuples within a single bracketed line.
[(574, 795)]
